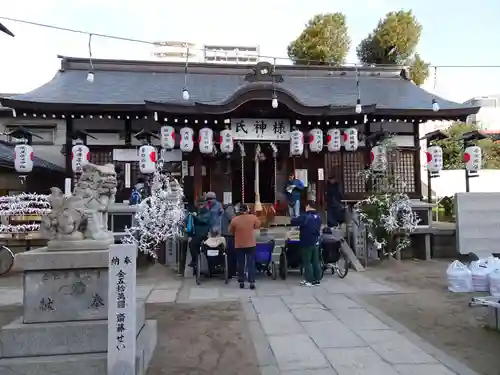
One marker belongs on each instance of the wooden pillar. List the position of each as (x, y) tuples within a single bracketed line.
[(128, 132), (367, 158), (67, 148), (198, 179), (416, 163)]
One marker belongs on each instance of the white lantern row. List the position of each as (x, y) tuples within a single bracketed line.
[(207, 145), (206, 140), (434, 159), (80, 156), (147, 159), (226, 141), (296, 143), (187, 140), (473, 158), (167, 137), (379, 158), (23, 158), (351, 142), (333, 140), (316, 140)]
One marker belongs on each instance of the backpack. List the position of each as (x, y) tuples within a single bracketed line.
[(190, 224), (135, 198)]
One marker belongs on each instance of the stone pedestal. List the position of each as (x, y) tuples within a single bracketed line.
[(63, 329)]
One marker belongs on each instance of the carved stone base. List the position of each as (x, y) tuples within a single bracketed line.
[(63, 329), (61, 245)]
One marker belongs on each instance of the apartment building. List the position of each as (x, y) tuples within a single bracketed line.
[(173, 51)]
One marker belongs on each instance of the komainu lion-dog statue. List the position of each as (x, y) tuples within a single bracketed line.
[(78, 220)]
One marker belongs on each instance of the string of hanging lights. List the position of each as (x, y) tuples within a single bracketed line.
[(90, 75), (152, 43), (185, 91), (274, 100)]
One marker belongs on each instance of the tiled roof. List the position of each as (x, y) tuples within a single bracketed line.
[(133, 83), (7, 159)]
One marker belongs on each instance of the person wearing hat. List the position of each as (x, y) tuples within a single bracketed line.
[(243, 228), (216, 212), (201, 220)]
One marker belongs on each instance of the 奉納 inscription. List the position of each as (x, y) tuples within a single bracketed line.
[(47, 304), (97, 301), (74, 295)]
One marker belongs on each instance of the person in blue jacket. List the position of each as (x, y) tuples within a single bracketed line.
[(201, 221), (309, 223), (293, 189)]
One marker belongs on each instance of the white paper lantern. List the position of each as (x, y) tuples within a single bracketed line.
[(80, 155), (316, 140), (23, 158), (333, 140), (187, 140), (226, 141), (379, 159), (147, 159), (206, 140), (351, 142), (296, 143), (473, 158), (167, 137), (434, 159)]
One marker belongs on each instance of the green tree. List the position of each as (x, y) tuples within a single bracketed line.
[(453, 148), (419, 70), (394, 41), (323, 41)]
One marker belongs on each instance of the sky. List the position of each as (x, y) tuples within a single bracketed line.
[(454, 33)]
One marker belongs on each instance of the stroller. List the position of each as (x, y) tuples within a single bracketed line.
[(290, 257), (263, 258), (213, 250), (332, 255)]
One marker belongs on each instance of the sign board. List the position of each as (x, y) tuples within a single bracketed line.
[(478, 223), (122, 309), (321, 174), (246, 129), (127, 175), (125, 154)]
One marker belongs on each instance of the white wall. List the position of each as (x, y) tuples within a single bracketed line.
[(453, 181), (51, 153), (488, 118)]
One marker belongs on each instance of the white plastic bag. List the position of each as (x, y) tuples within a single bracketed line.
[(494, 279), (459, 278), (480, 271)]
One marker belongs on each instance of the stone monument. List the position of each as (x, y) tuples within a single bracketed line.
[(63, 329)]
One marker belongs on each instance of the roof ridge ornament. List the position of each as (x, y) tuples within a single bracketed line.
[(263, 72)]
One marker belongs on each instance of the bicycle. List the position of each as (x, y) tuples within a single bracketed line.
[(6, 259)]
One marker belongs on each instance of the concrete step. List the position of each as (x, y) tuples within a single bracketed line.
[(64, 338), (82, 364)]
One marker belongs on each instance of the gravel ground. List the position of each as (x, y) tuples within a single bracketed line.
[(206, 339), (442, 318)]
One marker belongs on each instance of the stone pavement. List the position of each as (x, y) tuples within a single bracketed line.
[(322, 330)]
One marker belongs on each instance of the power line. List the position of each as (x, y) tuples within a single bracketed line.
[(133, 40)]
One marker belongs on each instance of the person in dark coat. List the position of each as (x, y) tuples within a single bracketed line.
[(216, 212), (309, 224), (334, 197), (201, 229)]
